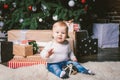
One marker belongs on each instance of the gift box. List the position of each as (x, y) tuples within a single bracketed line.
[(82, 34), (76, 27), (18, 35), (31, 42), (87, 46), (6, 51), (107, 34), (22, 50), (22, 62)]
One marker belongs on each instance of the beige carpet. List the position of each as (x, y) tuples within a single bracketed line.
[(103, 70)]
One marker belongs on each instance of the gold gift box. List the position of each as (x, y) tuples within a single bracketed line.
[(22, 50)]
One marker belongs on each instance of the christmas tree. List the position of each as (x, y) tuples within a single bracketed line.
[(41, 14)]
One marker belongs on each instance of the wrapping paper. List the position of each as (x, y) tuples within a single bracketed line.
[(22, 50), (22, 62), (37, 35), (107, 34)]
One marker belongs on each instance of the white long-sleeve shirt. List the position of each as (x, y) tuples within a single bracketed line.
[(62, 52)]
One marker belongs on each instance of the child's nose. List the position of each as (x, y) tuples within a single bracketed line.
[(60, 34)]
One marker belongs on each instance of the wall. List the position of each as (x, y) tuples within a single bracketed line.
[(109, 9)]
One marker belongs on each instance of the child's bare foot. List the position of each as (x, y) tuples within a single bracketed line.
[(89, 72)]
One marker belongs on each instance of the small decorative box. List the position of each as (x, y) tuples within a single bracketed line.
[(22, 50)]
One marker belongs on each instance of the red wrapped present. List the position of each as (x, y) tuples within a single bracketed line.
[(21, 62)]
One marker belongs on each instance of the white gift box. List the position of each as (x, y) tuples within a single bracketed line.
[(107, 34)]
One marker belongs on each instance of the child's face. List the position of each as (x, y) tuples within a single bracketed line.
[(59, 34)]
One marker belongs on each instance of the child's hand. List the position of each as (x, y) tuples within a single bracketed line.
[(50, 52), (74, 59)]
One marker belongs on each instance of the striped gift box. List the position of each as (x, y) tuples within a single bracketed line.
[(21, 62)]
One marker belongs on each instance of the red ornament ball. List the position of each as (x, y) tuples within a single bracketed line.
[(30, 8), (5, 6), (83, 1)]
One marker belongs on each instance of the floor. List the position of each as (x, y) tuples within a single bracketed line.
[(106, 54)]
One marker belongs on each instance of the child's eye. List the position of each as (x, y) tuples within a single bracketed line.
[(63, 33), (57, 32)]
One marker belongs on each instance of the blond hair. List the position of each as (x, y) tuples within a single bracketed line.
[(61, 24)]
